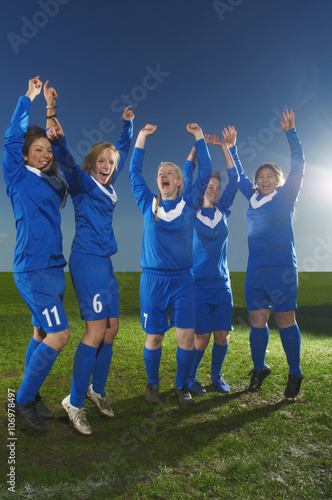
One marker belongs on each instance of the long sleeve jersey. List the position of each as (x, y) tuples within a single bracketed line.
[(270, 218), (167, 243), (36, 199), (93, 202), (210, 235)]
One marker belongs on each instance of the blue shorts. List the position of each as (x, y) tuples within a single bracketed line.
[(214, 309), (271, 287), (43, 292), (95, 286), (160, 293)]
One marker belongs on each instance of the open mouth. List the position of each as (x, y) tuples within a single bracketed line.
[(45, 164), (165, 184), (104, 174)]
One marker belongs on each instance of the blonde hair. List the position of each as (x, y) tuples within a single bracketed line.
[(275, 169), (95, 151), (179, 173)]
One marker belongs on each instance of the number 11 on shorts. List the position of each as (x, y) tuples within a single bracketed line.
[(54, 311)]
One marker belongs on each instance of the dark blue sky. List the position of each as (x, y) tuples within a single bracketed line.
[(216, 63)]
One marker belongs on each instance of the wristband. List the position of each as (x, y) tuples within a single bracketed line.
[(51, 107), (51, 116)]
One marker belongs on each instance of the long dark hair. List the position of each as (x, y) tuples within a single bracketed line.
[(34, 132)]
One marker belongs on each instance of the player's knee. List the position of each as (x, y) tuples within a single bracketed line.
[(63, 338), (259, 318), (57, 340)]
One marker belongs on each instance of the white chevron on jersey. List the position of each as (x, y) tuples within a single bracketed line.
[(113, 195), (172, 214), (265, 199), (207, 221), (51, 179)]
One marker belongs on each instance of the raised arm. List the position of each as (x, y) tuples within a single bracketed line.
[(77, 180), (289, 120), (245, 185), (51, 96), (214, 139), (34, 89), (13, 158), (188, 170), (143, 134), (138, 184), (204, 165), (228, 195), (294, 180), (123, 144)]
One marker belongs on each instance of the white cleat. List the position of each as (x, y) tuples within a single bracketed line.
[(77, 416), (100, 401)]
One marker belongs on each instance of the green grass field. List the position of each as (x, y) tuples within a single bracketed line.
[(239, 445)]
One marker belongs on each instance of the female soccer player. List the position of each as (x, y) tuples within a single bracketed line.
[(214, 302), (37, 190), (271, 279), (90, 265), (167, 281)]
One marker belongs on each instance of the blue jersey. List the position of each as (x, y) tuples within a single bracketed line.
[(167, 243), (210, 235), (93, 202), (270, 225), (36, 199)]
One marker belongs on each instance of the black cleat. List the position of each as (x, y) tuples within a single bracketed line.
[(152, 393), (28, 413), (293, 386), (41, 408), (258, 377)]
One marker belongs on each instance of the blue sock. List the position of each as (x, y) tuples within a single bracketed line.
[(291, 342), (218, 356), (101, 368), (41, 362), (152, 359), (30, 350), (184, 363), (197, 359), (259, 339), (84, 360)]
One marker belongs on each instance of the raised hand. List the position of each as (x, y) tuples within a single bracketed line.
[(229, 136), (55, 132), (34, 89), (50, 95), (195, 130), (213, 139), (128, 114), (144, 133), (289, 120), (148, 129)]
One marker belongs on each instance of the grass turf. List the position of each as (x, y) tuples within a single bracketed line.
[(239, 445)]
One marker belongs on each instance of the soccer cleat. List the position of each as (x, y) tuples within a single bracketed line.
[(28, 413), (195, 386), (100, 401), (152, 393), (257, 377), (77, 416), (41, 408), (293, 385), (220, 384), (185, 398)]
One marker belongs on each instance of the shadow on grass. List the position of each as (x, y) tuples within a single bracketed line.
[(139, 438)]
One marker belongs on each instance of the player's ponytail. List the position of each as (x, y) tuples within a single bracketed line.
[(156, 218)]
